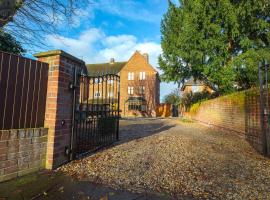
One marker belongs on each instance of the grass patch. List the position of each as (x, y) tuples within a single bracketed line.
[(25, 180), (185, 120)]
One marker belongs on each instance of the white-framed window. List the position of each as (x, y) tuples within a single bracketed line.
[(142, 75), (97, 94), (110, 94), (195, 88), (130, 90), (138, 107), (143, 107), (130, 76), (110, 81), (98, 80), (142, 90)]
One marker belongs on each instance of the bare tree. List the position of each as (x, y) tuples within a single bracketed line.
[(8, 9), (35, 19)]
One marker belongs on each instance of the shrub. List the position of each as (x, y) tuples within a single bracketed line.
[(191, 98)]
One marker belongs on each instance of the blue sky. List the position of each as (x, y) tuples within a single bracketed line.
[(108, 29)]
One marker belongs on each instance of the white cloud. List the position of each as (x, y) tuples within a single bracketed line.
[(93, 46), (81, 15)]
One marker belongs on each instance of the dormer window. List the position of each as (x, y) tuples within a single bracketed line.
[(142, 75), (195, 89), (130, 76)]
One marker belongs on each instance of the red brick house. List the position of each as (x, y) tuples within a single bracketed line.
[(139, 84)]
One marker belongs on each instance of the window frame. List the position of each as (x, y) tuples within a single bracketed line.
[(130, 90), (137, 107), (131, 76), (142, 76), (142, 90)]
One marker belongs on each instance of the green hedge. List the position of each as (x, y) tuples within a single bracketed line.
[(237, 98)]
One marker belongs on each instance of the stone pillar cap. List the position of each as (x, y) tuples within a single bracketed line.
[(58, 52)]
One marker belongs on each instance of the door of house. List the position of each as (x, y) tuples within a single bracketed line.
[(96, 113)]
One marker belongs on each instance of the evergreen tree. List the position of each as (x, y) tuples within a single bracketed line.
[(9, 44), (218, 42)]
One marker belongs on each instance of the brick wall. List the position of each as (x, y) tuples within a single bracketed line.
[(22, 151), (164, 110), (239, 112)]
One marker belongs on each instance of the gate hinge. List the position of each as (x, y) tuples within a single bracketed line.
[(72, 86), (67, 151)]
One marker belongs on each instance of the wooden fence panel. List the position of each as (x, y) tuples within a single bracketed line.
[(23, 89), (30, 95), (5, 59), (10, 90), (42, 92), (19, 92)]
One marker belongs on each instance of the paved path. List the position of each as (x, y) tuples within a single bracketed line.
[(181, 159)]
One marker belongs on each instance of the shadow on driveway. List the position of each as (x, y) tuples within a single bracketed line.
[(56, 186), (132, 129)]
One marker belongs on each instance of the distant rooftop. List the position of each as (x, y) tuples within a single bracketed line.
[(192, 82), (111, 67)]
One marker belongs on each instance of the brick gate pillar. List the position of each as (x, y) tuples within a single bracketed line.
[(58, 116)]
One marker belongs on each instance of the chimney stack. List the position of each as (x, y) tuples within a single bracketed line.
[(112, 61), (146, 56)]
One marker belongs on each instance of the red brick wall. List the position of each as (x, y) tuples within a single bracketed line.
[(22, 151), (164, 110), (239, 112)]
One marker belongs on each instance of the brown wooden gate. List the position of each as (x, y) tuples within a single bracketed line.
[(23, 88)]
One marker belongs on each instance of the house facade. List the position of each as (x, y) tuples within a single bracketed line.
[(139, 84)]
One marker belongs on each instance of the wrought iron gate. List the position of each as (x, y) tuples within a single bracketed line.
[(264, 106), (96, 113)]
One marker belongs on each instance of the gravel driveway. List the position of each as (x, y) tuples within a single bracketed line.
[(182, 159)]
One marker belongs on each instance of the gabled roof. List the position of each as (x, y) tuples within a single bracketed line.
[(113, 67), (138, 53), (105, 68)]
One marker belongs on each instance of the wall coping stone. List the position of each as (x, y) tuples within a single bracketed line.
[(61, 53)]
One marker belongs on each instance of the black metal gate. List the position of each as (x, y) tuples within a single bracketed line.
[(96, 113), (264, 106)]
